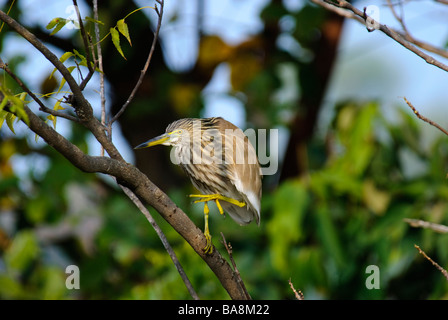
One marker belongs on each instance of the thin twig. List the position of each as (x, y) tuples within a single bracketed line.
[(52, 58), (391, 33), (339, 11), (162, 237), (25, 88), (87, 45), (427, 225), (100, 66), (424, 118), (435, 264), (144, 189), (407, 35), (235, 269), (148, 60), (299, 294), (116, 166), (397, 17)]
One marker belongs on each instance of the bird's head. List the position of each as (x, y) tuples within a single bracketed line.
[(177, 132), (171, 138)]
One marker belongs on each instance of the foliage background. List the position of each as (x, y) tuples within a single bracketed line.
[(336, 210)]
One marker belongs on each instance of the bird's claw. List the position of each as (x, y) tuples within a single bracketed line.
[(208, 249)]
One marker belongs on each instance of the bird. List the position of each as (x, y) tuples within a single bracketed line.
[(222, 165)]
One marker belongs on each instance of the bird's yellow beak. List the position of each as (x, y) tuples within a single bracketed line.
[(155, 141)]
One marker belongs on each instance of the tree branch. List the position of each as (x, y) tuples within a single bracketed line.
[(368, 21), (125, 174), (425, 224), (235, 269), (164, 240), (148, 60), (131, 177), (424, 118), (100, 66), (298, 294), (51, 57), (82, 107), (87, 46), (407, 35), (25, 88), (435, 264)]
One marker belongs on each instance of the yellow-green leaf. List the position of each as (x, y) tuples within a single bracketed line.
[(62, 59), (53, 119), (3, 115), (22, 96), (4, 102), (70, 69), (17, 106), (53, 23), (57, 23), (123, 28), (58, 106), (94, 21), (116, 40), (65, 56), (22, 251), (10, 121)]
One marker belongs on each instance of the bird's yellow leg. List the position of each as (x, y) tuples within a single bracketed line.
[(215, 197), (212, 197), (219, 206), (208, 249)]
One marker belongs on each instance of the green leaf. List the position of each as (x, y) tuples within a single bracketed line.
[(59, 26), (4, 102), (62, 59), (22, 251), (10, 288), (94, 21), (17, 106), (57, 23), (22, 96), (56, 107), (123, 28), (53, 23), (10, 121), (65, 56), (70, 69), (53, 119), (3, 115), (116, 40), (285, 227), (329, 235)]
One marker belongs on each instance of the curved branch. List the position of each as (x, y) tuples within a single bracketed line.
[(418, 115), (52, 58), (125, 173), (42, 106), (132, 178), (163, 238), (346, 9)]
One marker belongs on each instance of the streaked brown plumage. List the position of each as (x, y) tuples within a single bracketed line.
[(220, 161)]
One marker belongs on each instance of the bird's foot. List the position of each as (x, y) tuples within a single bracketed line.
[(208, 249), (216, 198)]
